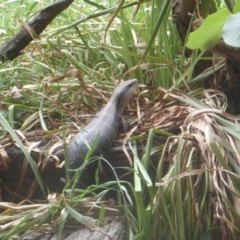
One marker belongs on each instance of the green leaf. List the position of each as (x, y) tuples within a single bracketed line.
[(208, 34), (236, 8), (231, 30), (87, 221)]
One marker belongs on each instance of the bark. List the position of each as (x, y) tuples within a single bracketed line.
[(232, 54), (182, 12), (13, 48), (227, 79), (11, 178), (115, 229)]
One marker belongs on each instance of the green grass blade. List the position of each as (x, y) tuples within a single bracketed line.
[(24, 150)]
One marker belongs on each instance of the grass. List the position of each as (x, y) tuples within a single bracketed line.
[(75, 65)]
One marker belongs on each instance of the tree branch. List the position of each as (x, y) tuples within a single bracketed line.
[(14, 47)]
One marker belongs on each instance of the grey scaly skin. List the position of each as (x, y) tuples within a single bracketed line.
[(104, 126)]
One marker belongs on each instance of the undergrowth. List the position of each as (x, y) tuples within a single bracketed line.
[(69, 73)]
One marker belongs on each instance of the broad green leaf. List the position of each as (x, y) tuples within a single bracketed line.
[(231, 30), (236, 8), (209, 32)]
